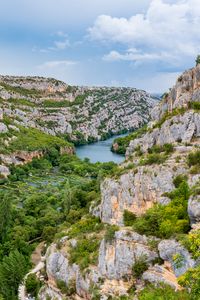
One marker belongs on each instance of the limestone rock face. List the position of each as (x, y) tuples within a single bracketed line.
[(58, 268), (194, 209), (178, 128), (186, 90), (116, 258), (20, 157), (179, 258), (161, 274), (136, 192)]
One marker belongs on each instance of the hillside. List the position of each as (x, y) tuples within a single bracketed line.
[(147, 242), (71, 229), (82, 113)]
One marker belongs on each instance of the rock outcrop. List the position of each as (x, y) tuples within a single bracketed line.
[(179, 258), (137, 191), (186, 90), (180, 128), (161, 274), (116, 258), (194, 209)]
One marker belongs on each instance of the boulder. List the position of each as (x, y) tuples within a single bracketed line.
[(179, 257), (194, 209), (161, 274)]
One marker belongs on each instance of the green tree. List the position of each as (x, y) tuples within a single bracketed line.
[(32, 285), (12, 270), (198, 60), (5, 213)]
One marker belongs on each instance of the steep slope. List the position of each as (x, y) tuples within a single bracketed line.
[(150, 213), (82, 113), (32, 105)]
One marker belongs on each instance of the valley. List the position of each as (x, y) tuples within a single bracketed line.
[(121, 229)]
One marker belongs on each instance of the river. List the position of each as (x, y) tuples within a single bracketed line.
[(100, 151)]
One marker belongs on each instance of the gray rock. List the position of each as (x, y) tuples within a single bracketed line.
[(3, 128), (136, 192), (159, 274), (116, 258), (178, 128), (58, 267), (194, 209), (179, 258)]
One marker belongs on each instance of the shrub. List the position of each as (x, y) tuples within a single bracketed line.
[(154, 158), (140, 266), (192, 242), (129, 218), (198, 60), (85, 252), (194, 105), (110, 232), (164, 221), (32, 285), (191, 281), (68, 289), (167, 148), (163, 292), (179, 179), (194, 158)]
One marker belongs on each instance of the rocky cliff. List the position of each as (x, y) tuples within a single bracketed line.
[(149, 207)]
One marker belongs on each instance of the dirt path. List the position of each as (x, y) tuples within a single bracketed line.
[(38, 260)]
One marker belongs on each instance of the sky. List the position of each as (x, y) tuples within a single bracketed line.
[(138, 43)]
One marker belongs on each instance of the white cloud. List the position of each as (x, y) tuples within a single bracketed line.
[(61, 45), (56, 63), (167, 29), (134, 55)]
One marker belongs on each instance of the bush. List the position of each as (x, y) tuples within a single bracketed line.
[(167, 148), (68, 289), (191, 281), (194, 158), (140, 266), (110, 232), (129, 218), (85, 252), (198, 60), (194, 105), (164, 221), (32, 285), (179, 179), (163, 292), (154, 158)]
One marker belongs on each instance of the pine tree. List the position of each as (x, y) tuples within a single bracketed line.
[(198, 60), (5, 214), (12, 270)]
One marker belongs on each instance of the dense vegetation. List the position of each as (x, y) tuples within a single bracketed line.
[(37, 201)]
